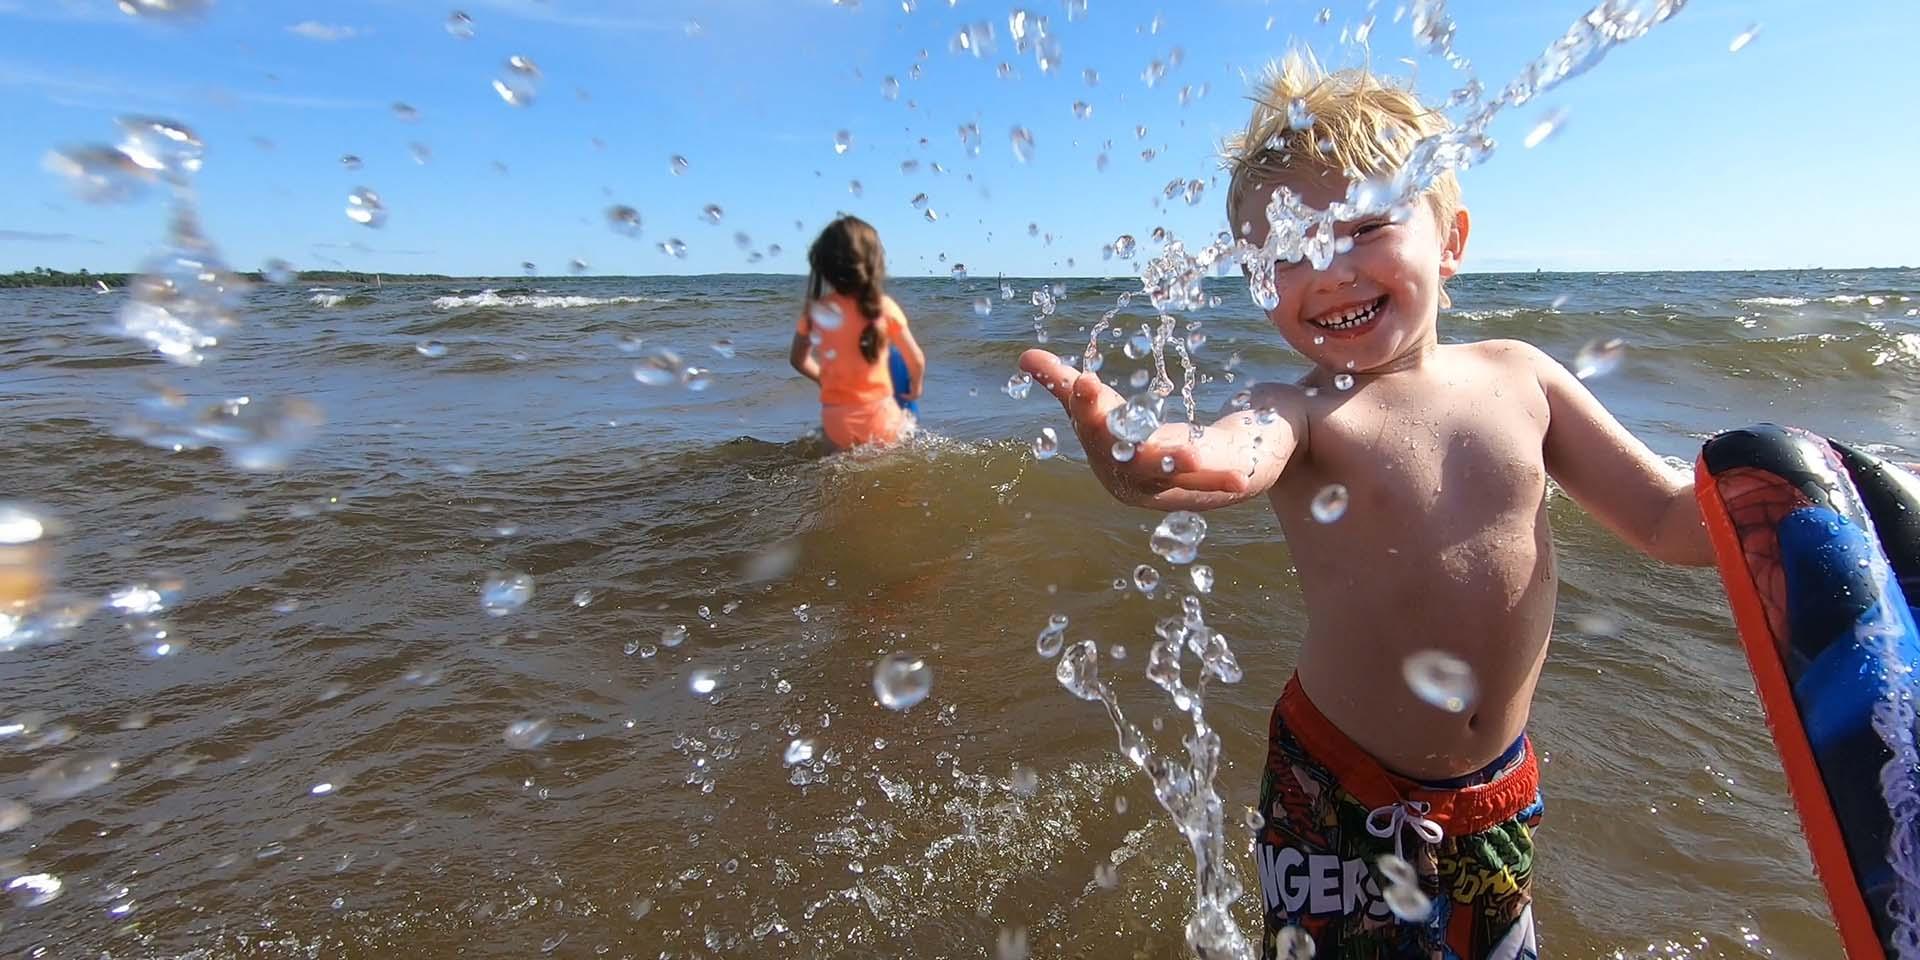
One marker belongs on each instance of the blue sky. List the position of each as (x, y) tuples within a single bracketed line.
[(1675, 154)]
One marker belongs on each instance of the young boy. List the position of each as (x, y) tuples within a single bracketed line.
[(1443, 556)]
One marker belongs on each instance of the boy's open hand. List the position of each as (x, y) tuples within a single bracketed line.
[(1140, 479)]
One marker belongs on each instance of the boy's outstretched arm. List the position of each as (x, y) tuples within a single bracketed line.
[(1616, 477), (1236, 458)]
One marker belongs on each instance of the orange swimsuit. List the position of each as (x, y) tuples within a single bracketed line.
[(856, 396)]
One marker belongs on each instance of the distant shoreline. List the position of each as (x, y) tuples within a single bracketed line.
[(42, 277)]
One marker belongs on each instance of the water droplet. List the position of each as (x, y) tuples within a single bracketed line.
[(1408, 903), (351, 162), (982, 306), (1746, 36), (364, 207), (703, 682), (1135, 420), (1166, 462), (1123, 245), (902, 680), (1596, 625), (1178, 536), (674, 247), (1123, 450), (420, 152), (139, 600), (1330, 503), (842, 142), (1022, 140), (1599, 358), (431, 349), (1012, 944), (890, 88), (36, 889), (519, 82), (460, 25), (1399, 873), (677, 164), (73, 775), (1547, 127), (1079, 670), (1082, 109), (799, 750), (1440, 679), (1146, 579), (1046, 444), (712, 213), (505, 592), (583, 598), (659, 367), (1293, 943), (624, 220), (673, 635), (1343, 381), (919, 201), (164, 147), (1202, 577), (959, 271), (1052, 636), (853, 187), (1018, 385), (99, 174)]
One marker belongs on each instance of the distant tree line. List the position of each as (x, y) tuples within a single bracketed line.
[(43, 277)]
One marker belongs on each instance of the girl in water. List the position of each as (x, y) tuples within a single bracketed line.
[(842, 339)]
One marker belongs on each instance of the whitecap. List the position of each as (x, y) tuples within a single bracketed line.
[(327, 299), (1775, 301), (488, 298)]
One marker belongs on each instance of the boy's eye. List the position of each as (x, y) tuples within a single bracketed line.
[(1368, 227)]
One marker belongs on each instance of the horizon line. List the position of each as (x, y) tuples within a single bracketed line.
[(430, 275)]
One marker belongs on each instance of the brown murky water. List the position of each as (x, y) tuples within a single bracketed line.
[(327, 630)]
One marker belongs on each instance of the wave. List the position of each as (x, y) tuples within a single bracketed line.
[(327, 299), (491, 298), (1775, 301)]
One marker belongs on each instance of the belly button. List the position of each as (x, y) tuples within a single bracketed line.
[(1473, 722)]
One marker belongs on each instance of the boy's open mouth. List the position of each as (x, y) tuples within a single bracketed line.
[(1351, 318)]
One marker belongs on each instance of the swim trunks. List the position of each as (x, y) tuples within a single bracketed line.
[(1332, 811), (851, 424)]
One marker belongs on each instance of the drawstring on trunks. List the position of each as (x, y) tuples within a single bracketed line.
[(1387, 821)]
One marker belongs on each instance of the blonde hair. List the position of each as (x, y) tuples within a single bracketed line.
[(1362, 126)]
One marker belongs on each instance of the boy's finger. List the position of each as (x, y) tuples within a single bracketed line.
[(1047, 371), (1089, 400)]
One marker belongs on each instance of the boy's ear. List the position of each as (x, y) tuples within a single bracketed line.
[(1453, 247)]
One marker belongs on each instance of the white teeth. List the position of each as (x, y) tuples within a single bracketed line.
[(1350, 318)]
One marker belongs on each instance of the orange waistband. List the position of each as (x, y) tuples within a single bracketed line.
[(1461, 811)]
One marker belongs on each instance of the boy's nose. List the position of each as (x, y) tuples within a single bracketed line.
[(1337, 275)]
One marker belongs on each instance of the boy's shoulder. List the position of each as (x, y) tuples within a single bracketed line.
[(1503, 351)]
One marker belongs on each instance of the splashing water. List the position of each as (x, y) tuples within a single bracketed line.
[(1046, 444), (1330, 503), (1599, 358), (1184, 789), (1440, 679), (902, 680), (182, 296), (528, 734), (364, 208), (504, 593), (519, 81)]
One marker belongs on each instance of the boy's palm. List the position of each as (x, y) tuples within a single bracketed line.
[(1088, 402)]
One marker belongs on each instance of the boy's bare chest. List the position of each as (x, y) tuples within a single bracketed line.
[(1466, 449)]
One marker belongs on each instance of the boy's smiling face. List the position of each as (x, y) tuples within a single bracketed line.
[(1374, 308)]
